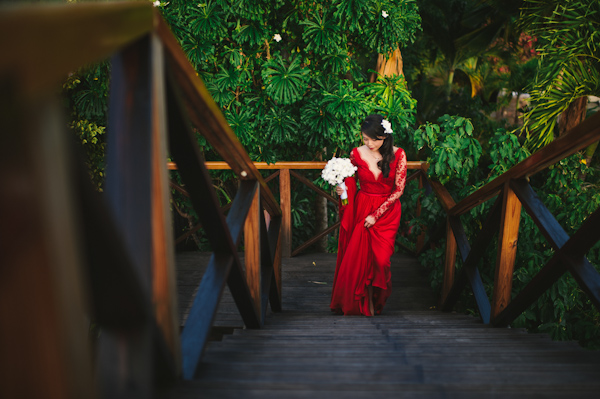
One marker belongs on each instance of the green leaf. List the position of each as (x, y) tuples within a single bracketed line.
[(286, 84)]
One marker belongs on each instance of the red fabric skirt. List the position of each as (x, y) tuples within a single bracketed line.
[(364, 255)]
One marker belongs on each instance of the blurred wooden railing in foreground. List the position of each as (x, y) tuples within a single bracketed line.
[(512, 192), (64, 245), (284, 170)]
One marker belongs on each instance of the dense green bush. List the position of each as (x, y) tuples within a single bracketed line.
[(291, 77), (564, 311)]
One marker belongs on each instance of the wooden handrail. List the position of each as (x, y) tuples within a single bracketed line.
[(150, 79), (504, 218), (577, 139), (102, 29), (287, 168), (298, 165), (207, 117)]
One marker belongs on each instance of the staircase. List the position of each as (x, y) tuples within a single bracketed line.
[(409, 351)]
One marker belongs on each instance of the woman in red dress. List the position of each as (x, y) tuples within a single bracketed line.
[(369, 222)]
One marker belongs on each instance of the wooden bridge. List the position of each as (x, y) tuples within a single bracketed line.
[(72, 258), (411, 350)]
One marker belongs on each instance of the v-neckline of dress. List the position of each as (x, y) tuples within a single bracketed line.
[(375, 176)]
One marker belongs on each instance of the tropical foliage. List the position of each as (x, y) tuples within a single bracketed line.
[(564, 311), (463, 58), (568, 34), (86, 95), (291, 77)]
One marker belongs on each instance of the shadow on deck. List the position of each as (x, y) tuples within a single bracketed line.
[(410, 350)]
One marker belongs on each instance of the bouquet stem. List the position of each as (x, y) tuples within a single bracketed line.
[(344, 196)]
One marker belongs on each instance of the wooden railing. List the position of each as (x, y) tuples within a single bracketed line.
[(284, 171), (64, 244), (513, 192)]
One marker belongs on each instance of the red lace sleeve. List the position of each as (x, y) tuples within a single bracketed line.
[(352, 159), (399, 183)]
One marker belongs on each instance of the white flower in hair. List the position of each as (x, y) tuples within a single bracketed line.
[(387, 126), (384, 14)]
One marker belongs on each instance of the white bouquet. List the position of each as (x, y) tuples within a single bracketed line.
[(335, 171)]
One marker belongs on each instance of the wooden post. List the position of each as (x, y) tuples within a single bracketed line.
[(164, 288), (507, 250), (44, 317), (252, 252), (286, 210), (450, 261), (128, 192)]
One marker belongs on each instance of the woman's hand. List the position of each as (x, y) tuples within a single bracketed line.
[(369, 221), (339, 190)]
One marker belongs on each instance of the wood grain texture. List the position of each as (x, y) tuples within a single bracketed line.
[(469, 271), (542, 217), (570, 255), (236, 281), (252, 251), (409, 350), (37, 33), (164, 295), (128, 191), (285, 202), (507, 250), (472, 273), (43, 306)]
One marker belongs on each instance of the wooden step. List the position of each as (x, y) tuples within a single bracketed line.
[(235, 390), (411, 350)]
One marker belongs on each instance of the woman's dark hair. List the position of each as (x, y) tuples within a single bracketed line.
[(372, 128)]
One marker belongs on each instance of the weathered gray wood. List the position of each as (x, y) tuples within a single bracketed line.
[(305, 351), (569, 255), (128, 191), (490, 227), (483, 303)]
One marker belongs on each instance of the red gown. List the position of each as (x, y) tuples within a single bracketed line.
[(364, 254)]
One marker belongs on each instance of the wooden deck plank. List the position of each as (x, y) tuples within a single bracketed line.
[(413, 349)]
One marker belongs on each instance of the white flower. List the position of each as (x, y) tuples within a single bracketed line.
[(277, 37), (156, 3), (384, 14), (337, 169), (387, 126)]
